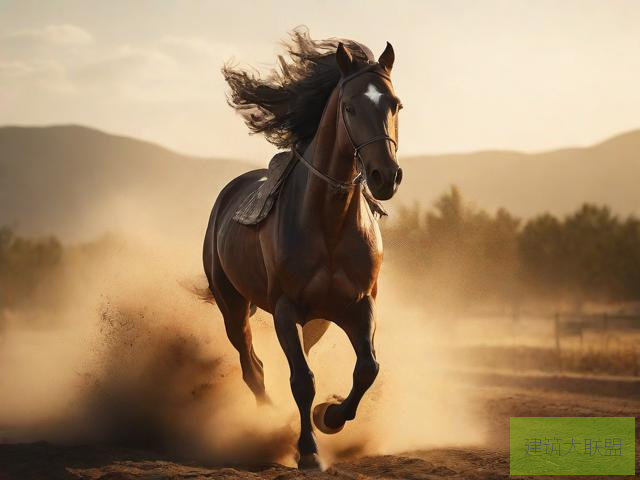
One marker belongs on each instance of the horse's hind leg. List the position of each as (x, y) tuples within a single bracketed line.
[(360, 328), (235, 311)]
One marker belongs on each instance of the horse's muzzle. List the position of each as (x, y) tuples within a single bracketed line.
[(384, 183)]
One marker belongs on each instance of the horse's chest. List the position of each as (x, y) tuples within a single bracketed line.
[(348, 271)]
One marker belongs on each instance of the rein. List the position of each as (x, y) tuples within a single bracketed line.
[(360, 177), (330, 180)]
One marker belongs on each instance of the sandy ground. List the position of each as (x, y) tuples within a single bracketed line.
[(494, 404)]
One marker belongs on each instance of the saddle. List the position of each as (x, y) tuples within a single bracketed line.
[(257, 205)]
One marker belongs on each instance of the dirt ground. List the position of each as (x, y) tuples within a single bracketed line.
[(493, 403)]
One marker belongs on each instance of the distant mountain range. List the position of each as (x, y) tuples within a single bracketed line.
[(77, 182), (557, 181)]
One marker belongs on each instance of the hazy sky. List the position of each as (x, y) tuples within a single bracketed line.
[(528, 75)]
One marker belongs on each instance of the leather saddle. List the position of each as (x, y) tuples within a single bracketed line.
[(257, 205)]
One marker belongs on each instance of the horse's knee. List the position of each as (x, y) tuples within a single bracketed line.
[(366, 371), (303, 384)]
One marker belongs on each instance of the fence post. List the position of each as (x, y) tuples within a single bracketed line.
[(557, 333)]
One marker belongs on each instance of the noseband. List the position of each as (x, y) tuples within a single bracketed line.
[(360, 177)]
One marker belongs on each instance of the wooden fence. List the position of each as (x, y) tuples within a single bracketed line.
[(605, 324)]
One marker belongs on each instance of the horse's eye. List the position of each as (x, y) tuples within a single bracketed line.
[(349, 109)]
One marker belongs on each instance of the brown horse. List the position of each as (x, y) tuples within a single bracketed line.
[(318, 253)]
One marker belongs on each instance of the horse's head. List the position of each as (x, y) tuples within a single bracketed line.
[(368, 119)]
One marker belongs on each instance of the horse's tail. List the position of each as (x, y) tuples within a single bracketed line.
[(203, 293)]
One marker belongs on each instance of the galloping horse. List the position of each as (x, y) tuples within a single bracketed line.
[(318, 253)]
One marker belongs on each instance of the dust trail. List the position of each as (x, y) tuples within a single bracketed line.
[(133, 358), (163, 384)]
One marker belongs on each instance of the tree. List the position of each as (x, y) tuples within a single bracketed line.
[(24, 263), (541, 253), (589, 238)]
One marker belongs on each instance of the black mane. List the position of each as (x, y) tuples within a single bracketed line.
[(287, 104)]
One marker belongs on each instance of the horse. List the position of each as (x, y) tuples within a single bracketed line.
[(317, 255)]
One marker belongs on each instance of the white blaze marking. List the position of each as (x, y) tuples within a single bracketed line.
[(373, 94)]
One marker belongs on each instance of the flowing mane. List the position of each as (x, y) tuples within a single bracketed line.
[(286, 105)]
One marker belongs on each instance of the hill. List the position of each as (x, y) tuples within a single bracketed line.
[(76, 183), (527, 184)]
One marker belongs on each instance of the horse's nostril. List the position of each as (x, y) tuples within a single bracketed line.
[(398, 176), (376, 177)]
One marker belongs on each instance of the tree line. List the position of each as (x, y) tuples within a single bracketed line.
[(451, 252), (454, 251), (25, 265)]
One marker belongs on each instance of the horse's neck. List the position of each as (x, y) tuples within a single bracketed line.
[(330, 154)]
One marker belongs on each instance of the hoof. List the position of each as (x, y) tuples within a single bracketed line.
[(309, 461), (318, 418)]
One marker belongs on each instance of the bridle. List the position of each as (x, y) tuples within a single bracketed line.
[(357, 157)]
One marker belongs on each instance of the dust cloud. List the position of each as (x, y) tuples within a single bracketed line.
[(414, 404), (128, 356)]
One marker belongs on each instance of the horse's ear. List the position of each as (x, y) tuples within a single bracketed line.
[(344, 59), (387, 57)]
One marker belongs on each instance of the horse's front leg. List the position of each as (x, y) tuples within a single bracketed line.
[(359, 325), (286, 317)]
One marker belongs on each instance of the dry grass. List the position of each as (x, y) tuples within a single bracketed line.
[(588, 360)]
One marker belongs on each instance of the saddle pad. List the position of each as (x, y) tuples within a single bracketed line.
[(257, 205)]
